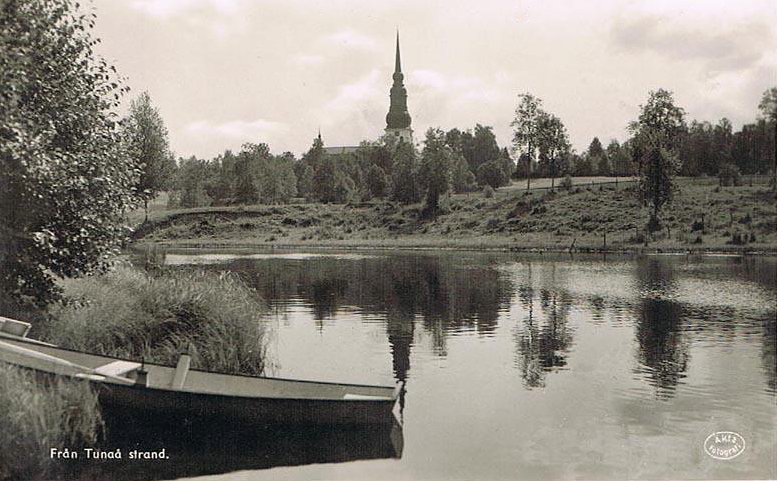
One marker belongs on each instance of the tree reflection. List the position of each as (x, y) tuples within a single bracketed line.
[(769, 352), (444, 293), (662, 347), (544, 340)]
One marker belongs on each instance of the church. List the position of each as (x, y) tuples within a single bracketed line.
[(398, 118)]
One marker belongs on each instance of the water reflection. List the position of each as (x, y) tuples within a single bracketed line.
[(447, 294), (215, 449), (663, 350), (544, 339), (639, 356)]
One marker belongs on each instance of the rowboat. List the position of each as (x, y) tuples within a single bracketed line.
[(183, 395)]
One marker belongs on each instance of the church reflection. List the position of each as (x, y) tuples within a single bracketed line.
[(440, 293)]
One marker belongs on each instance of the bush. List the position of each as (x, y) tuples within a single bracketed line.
[(38, 415), (488, 192), (566, 183), (729, 174), (130, 313)]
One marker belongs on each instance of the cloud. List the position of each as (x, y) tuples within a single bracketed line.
[(236, 129), (308, 59), (353, 39), (167, 8), (358, 93), (719, 48)]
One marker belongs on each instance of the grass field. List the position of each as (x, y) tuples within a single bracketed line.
[(701, 216)]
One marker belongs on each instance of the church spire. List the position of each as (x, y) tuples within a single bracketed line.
[(397, 62), (398, 118)]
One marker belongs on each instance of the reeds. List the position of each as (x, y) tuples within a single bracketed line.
[(37, 415), (133, 314)]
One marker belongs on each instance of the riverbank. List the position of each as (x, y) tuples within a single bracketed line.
[(129, 313), (701, 219)]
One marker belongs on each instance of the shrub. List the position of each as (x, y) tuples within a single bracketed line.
[(566, 183), (38, 415), (729, 174), (488, 192), (130, 313)]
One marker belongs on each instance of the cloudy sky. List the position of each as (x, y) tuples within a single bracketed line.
[(224, 72)]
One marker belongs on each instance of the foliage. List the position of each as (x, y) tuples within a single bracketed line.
[(147, 145), (191, 179), (38, 414), (526, 124), (330, 183), (566, 183), (492, 174), (377, 182), (618, 156), (463, 180), (435, 169), (657, 134), (728, 174), (488, 192), (506, 162), (304, 174), (404, 179), (484, 147), (552, 143), (129, 313), (60, 151)]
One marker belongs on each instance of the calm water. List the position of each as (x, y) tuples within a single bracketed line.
[(520, 367)]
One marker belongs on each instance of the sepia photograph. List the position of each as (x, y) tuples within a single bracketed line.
[(388, 240)]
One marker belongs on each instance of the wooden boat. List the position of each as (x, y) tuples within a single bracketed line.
[(182, 395)]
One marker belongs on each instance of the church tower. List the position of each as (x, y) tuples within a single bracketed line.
[(398, 119)]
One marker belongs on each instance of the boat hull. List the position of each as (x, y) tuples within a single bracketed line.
[(178, 407)]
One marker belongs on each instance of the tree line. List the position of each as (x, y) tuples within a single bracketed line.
[(71, 168), (457, 161)]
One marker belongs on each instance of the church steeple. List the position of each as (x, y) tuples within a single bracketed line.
[(398, 119), (397, 62)]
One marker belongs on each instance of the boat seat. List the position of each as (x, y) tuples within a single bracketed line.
[(362, 397), (14, 327), (117, 368), (181, 370)]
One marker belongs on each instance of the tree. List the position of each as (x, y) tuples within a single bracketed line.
[(148, 147), (377, 182), (768, 108), (192, 174), (463, 180), (304, 174), (330, 183), (492, 174), (435, 170), (484, 147), (65, 179), (619, 159), (552, 143), (404, 178), (526, 124), (508, 166), (656, 136)]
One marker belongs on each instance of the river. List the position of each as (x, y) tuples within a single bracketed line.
[(524, 366)]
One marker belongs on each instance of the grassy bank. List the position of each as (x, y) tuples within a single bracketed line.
[(38, 415), (131, 313), (701, 217), (126, 313)]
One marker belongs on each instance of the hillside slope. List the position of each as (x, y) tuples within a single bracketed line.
[(700, 217)]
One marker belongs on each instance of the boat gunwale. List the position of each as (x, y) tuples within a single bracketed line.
[(393, 398)]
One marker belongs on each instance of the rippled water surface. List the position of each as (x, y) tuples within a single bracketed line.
[(523, 367)]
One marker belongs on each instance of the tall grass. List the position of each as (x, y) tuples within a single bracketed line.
[(37, 415), (131, 313)]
